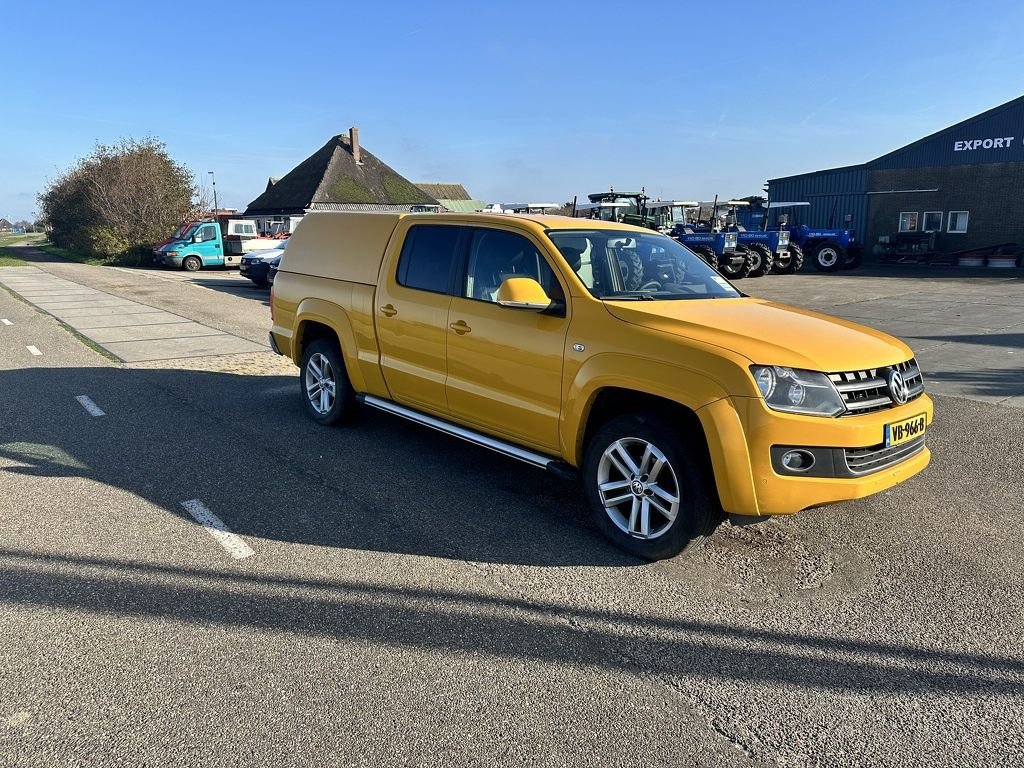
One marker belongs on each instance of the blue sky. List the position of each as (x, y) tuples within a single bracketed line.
[(516, 100)]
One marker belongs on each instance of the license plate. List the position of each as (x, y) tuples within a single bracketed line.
[(908, 429)]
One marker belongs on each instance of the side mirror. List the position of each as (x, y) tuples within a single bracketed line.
[(522, 293)]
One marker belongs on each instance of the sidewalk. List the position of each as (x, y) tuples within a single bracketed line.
[(130, 331)]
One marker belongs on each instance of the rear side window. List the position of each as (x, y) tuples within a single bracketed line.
[(428, 257)]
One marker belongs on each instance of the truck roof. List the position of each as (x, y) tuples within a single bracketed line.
[(351, 246)]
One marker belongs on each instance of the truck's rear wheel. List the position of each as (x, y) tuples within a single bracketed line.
[(763, 260), (793, 262), (647, 488), (828, 257), (707, 253), (326, 390), (737, 265), (192, 263)]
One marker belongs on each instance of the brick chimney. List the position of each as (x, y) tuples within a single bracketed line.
[(353, 139)]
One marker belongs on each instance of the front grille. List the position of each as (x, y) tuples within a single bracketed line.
[(861, 461), (866, 391)]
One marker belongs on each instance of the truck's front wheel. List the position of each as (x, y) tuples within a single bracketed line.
[(648, 489), (828, 257), (192, 263), (326, 390)]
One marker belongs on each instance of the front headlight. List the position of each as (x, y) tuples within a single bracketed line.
[(797, 391)]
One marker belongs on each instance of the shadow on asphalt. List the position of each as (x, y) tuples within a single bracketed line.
[(994, 382), (472, 623), (245, 446)]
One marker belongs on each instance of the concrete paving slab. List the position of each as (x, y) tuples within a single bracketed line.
[(149, 332), (83, 312), (150, 318), (170, 349), (56, 305)]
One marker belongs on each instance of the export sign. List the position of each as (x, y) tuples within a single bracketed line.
[(1003, 142)]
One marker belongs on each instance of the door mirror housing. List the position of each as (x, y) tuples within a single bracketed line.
[(523, 293)]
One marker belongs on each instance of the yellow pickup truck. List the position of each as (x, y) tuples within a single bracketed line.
[(598, 350)]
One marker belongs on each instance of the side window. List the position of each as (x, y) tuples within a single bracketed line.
[(495, 255), (427, 257), (206, 234), (932, 221), (908, 221)]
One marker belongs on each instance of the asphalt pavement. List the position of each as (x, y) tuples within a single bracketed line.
[(412, 600)]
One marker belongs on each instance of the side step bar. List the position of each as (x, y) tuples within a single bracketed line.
[(555, 466)]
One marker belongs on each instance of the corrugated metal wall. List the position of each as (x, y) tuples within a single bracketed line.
[(831, 194)]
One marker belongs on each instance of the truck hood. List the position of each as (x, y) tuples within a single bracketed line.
[(768, 333)]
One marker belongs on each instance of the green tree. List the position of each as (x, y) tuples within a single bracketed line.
[(121, 198)]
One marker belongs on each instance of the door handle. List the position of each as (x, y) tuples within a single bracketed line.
[(388, 310), (460, 327)]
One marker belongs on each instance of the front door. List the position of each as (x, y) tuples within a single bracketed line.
[(505, 363), (207, 245)]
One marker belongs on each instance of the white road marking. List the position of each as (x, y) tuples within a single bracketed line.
[(33, 350), (5, 321), (90, 406), (235, 545)]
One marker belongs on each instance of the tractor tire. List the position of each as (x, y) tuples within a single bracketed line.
[(763, 260), (632, 268), (707, 253), (828, 257), (792, 262), (853, 259), (733, 268)]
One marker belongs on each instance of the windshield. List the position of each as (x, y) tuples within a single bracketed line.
[(189, 232), (630, 266)]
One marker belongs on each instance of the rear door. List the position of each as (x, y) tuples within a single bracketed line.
[(412, 302)]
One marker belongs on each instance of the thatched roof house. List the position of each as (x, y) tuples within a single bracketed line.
[(340, 176)]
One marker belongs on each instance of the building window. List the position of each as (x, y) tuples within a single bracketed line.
[(908, 221), (932, 221), (957, 222)]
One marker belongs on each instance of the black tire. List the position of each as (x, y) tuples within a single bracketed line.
[(794, 262), (325, 355), (707, 253), (191, 264), (685, 474), (732, 266), (764, 260), (853, 259), (828, 257), (632, 268)]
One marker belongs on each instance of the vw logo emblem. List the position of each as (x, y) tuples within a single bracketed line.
[(898, 387), (637, 488)]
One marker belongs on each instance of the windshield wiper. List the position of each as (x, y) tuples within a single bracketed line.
[(629, 296)]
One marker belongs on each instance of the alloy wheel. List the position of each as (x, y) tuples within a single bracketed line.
[(638, 488)]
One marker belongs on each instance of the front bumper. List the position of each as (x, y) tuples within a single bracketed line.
[(257, 271), (751, 483), (172, 261)]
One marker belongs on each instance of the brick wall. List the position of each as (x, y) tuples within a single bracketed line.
[(993, 194)]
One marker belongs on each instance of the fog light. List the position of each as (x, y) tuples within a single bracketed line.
[(798, 461)]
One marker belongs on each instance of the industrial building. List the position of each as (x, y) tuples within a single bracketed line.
[(958, 189)]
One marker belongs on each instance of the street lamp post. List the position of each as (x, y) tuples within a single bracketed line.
[(215, 206)]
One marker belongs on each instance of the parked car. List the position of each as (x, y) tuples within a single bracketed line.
[(601, 351), (256, 266), (275, 266), (214, 243)]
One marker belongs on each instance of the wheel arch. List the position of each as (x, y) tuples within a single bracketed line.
[(317, 319)]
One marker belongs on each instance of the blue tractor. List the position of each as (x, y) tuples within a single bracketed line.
[(721, 250), (771, 248), (829, 249)]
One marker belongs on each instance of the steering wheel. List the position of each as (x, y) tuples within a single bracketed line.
[(650, 285)]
